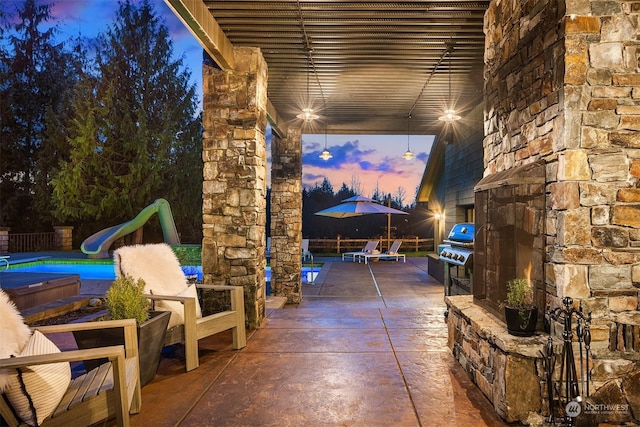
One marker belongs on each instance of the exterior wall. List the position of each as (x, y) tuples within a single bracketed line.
[(234, 187), (286, 216), (463, 166)]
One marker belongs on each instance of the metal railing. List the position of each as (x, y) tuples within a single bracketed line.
[(32, 242)]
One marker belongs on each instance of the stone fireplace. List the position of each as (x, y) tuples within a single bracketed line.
[(562, 98)]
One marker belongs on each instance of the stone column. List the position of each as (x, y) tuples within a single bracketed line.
[(64, 237), (234, 187), (286, 216), (4, 240)]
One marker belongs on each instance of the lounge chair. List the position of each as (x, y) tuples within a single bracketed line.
[(369, 248), (390, 254), (37, 388), (267, 249), (166, 284), (306, 254)]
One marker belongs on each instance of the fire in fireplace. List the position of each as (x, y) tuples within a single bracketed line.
[(510, 214)]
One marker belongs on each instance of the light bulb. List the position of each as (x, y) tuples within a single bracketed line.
[(307, 115), (326, 155), (449, 116)]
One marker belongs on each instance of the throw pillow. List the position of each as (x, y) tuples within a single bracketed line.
[(176, 308), (14, 334), (38, 388)]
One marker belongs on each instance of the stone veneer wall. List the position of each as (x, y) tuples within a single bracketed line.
[(64, 237), (286, 216), (4, 240), (234, 188), (562, 84)]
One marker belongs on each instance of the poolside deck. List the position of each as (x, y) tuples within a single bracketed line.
[(366, 347)]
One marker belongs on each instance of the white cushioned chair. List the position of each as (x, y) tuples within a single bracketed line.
[(35, 376), (166, 284)]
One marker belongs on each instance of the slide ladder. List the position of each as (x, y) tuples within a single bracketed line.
[(98, 244)]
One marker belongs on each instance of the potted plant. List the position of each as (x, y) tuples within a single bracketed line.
[(520, 312), (125, 299)]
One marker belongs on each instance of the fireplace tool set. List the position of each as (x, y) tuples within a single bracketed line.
[(569, 390)]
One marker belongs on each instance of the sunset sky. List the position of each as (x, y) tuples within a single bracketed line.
[(375, 161)]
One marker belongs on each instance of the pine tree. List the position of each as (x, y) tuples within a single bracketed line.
[(134, 139), (37, 72)]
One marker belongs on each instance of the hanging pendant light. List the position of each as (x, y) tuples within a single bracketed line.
[(408, 155), (449, 115), (326, 155), (308, 115)]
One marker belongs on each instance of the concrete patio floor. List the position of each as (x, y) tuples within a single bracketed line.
[(366, 347)]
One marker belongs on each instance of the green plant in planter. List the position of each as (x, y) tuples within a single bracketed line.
[(519, 295), (520, 299), (125, 299)]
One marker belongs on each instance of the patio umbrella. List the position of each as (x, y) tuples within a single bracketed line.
[(357, 206)]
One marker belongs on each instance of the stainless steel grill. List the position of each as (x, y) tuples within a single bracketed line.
[(458, 259), (459, 249)]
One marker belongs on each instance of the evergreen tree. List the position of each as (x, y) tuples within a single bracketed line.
[(135, 134), (344, 192), (186, 185), (55, 148), (37, 73)]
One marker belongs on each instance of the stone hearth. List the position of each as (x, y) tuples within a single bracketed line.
[(498, 363), (510, 372)]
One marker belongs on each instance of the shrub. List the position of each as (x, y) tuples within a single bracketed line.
[(125, 300)]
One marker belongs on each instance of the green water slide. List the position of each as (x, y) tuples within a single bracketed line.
[(98, 244)]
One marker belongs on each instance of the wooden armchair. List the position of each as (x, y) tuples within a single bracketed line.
[(112, 389), (166, 284)]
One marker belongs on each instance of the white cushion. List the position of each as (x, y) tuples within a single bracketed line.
[(176, 308), (44, 384), (14, 334), (160, 269)]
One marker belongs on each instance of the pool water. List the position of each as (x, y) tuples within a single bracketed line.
[(87, 271), (104, 271)]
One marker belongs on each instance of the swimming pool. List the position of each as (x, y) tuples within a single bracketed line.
[(105, 271), (86, 270)]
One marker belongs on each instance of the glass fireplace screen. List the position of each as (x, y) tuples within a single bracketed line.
[(509, 241)]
